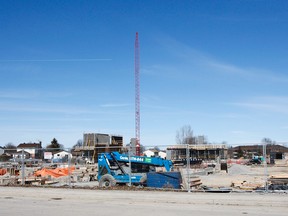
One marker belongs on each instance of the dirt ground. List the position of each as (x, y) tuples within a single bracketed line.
[(28, 201), (253, 175)]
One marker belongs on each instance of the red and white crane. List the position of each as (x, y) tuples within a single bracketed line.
[(137, 95)]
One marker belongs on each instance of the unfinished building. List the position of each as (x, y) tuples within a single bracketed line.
[(273, 151), (95, 143), (197, 152)]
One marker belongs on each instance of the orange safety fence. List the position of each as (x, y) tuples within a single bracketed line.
[(237, 161), (58, 172), (3, 171)]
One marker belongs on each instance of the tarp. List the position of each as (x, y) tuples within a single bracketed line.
[(56, 173), (3, 171)]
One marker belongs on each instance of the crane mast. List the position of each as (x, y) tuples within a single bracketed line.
[(137, 95)]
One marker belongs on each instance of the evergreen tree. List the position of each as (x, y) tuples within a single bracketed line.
[(54, 146)]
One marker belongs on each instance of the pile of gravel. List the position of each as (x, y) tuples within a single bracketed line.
[(238, 169)]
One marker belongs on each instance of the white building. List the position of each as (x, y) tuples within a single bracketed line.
[(149, 153), (34, 149), (154, 153), (62, 155), (1, 150)]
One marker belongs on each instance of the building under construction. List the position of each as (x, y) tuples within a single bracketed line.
[(198, 152), (95, 143), (273, 151)]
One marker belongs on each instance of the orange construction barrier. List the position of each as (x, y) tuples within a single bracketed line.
[(58, 172), (3, 171)]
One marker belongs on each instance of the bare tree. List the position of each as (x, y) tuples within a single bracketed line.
[(78, 144), (185, 135), (266, 140), (10, 146)]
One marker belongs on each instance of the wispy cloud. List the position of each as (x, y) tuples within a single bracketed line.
[(55, 60), (62, 108), (161, 71), (18, 95), (37, 108), (188, 59), (248, 73), (226, 68), (33, 94), (272, 104), (227, 115)]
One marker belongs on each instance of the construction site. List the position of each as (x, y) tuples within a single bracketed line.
[(202, 186), (106, 108), (104, 162), (199, 178), (197, 168)]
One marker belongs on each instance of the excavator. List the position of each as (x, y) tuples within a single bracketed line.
[(115, 168)]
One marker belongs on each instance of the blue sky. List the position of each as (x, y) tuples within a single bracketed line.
[(67, 67)]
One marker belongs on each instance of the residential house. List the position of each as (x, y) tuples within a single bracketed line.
[(34, 149), (18, 156)]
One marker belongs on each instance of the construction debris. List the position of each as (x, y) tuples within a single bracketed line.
[(58, 172), (201, 178), (244, 185), (279, 179)]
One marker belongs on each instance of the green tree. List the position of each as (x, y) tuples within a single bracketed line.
[(54, 146)]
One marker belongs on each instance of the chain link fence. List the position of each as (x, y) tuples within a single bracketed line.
[(78, 167)]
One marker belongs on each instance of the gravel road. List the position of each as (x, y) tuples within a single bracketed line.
[(72, 202)]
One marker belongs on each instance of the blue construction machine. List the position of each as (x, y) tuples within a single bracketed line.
[(114, 168)]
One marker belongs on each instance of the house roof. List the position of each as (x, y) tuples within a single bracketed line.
[(30, 145), (61, 152)]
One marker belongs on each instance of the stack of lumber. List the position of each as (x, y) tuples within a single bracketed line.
[(195, 182), (279, 179), (244, 185)]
